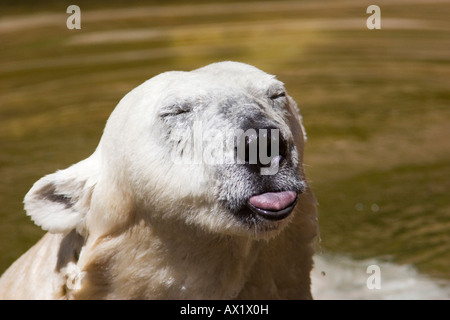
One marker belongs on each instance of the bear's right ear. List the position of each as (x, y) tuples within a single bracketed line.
[(60, 201)]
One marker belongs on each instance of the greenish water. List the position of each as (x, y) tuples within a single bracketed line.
[(376, 104)]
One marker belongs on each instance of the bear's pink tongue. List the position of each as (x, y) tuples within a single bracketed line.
[(273, 201)]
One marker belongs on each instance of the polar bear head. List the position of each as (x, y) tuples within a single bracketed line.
[(220, 147)]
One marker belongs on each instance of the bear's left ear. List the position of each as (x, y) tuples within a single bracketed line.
[(60, 201)]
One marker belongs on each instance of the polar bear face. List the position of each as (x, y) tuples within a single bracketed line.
[(219, 147)]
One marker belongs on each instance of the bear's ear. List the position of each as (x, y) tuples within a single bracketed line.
[(60, 201)]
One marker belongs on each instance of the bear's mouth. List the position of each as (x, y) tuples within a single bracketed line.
[(273, 205)]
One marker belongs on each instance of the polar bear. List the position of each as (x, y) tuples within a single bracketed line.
[(183, 198)]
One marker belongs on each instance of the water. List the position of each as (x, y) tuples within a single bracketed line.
[(338, 277), (375, 105)]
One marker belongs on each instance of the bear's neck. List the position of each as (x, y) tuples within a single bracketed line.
[(153, 261)]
